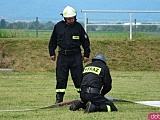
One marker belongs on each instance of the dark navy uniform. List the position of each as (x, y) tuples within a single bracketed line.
[(95, 84), (69, 39), (96, 75)]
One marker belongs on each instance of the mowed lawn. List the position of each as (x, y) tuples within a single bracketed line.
[(32, 90)]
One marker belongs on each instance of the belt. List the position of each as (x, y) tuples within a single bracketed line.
[(68, 51), (90, 90)]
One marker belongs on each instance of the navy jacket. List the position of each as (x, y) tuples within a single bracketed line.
[(97, 75), (69, 37)]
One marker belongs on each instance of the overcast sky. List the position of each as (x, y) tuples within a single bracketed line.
[(51, 9)]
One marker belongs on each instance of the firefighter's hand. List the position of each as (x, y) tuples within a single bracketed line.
[(85, 59), (53, 57)]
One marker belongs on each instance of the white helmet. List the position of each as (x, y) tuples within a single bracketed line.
[(68, 12)]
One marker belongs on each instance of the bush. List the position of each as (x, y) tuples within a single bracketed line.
[(3, 33)]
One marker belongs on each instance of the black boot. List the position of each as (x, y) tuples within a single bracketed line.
[(113, 108), (90, 108), (77, 105), (102, 108), (105, 108), (59, 97)]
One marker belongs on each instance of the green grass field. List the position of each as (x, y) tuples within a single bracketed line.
[(19, 33), (30, 90), (134, 65)]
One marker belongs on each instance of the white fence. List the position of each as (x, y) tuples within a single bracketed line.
[(130, 22)]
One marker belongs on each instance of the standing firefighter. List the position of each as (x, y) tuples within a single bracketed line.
[(95, 84), (68, 35)]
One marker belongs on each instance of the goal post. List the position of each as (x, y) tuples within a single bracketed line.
[(130, 12)]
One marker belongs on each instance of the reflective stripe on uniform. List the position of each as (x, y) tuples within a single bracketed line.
[(108, 108), (60, 90), (75, 37), (78, 89), (92, 69)]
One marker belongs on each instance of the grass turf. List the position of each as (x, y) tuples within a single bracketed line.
[(32, 90)]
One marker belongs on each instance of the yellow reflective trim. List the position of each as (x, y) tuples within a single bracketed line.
[(60, 90), (92, 69), (65, 13), (78, 89), (73, 11), (108, 108), (75, 37)]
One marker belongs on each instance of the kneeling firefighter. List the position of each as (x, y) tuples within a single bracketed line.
[(95, 84)]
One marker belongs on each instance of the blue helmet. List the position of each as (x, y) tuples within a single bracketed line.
[(100, 57)]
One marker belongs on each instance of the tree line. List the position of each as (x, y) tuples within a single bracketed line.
[(49, 26), (26, 25)]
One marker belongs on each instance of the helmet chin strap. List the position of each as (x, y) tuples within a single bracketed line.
[(70, 23)]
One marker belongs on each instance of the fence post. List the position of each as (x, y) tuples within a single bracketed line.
[(135, 27), (130, 26), (37, 27), (85, 22)]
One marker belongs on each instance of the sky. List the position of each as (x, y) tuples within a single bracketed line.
[(51, 9)]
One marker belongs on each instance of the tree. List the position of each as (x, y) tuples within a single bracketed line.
[(3, 24), (49, 25)]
